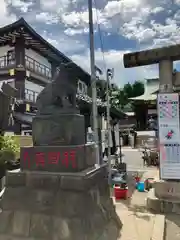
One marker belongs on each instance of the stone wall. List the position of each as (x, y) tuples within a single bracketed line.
[(43, 206)]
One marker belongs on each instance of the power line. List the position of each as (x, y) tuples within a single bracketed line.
[(100, 36)]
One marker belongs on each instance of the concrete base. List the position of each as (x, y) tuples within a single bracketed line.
[(58, 206), (159, 205), (164, 197), (169, 190)]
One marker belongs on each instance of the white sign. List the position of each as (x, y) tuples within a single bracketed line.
[(169, 135)]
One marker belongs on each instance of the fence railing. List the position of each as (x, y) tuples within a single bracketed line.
[(5, 61), (31, 64), (37, 67), (31, 95)]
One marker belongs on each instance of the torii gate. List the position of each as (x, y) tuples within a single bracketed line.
[(164, 57)]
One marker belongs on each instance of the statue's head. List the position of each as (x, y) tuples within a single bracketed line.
[(65, 74)]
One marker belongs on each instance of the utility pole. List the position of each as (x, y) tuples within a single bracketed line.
[(109, 76), (93, 82)]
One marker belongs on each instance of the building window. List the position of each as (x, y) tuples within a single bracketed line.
[(82, 88), (10, 57), (31, 95)]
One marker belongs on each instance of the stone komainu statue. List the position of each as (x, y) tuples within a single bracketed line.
[(60, 94)]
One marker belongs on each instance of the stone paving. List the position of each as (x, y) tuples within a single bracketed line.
[(138, 223), (172, 230)]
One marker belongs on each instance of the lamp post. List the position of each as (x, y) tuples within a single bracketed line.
[(109, 76)]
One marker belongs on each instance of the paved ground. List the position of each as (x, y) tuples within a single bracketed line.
[(133, 158), (138, 224), (172, 231)]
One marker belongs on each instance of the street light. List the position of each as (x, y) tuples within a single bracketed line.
[(109, 76)]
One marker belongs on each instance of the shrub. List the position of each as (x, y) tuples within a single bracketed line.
[(10, 149)]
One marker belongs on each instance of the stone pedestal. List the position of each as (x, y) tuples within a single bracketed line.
[(60, 129), (58, 206), (164, 197), (59, 145), (58, 194)]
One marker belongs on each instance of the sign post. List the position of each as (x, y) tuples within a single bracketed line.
[(169, 135)]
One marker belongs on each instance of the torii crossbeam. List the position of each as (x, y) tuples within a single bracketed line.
[(163, 56)]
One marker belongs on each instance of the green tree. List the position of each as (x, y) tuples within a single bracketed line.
[(131, 90), (128, 90), (134, 90), (138, 88), (119, 97)]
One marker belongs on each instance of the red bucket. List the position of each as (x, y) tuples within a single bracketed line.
[(120, 193)]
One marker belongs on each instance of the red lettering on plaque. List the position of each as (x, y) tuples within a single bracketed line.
[(26, 158), (40, 158), (72, 155), (65, 160), (53, 157)]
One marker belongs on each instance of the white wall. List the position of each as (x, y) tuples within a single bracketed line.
[(4, 50), (31, 53), (33, 86), (10, 81), (152, 111)]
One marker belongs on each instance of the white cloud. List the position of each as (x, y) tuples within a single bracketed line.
[(5, 17), (81, 19), (114, 59), (47, 18), (58, 6), (64, 43), (124, 8), (72, 31), (143, 21), (157, 9), (177, 1), (21, 5), (130, 18), (138, 32)]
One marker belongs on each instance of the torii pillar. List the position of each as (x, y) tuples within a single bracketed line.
[(165, 196)]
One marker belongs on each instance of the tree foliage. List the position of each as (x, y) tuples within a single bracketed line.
[(120, 96)]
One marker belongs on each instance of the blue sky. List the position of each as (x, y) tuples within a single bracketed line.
[(126, 26)]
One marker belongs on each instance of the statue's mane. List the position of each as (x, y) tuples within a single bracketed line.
[(60, 94)]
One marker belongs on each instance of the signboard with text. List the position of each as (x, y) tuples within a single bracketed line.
[(169, 135)]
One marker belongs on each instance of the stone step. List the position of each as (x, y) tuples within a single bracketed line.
[(162, 205)]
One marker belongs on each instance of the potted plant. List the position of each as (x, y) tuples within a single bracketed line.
[(9, 154)]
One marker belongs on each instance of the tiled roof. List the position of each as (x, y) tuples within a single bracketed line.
[(39, 44), (88, 99)]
